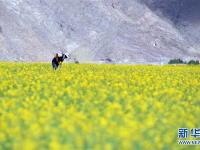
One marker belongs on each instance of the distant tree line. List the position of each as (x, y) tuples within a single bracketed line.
[(180, 61)]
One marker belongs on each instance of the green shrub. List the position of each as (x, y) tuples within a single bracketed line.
[(176, 61), (193, 62)]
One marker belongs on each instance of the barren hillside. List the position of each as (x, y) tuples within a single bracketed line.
[(131, 31)]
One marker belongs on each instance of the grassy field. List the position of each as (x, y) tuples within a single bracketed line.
[(97, 106)]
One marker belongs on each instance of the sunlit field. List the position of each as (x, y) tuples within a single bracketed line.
[(97, 107)]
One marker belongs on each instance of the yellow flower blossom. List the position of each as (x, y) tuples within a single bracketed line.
[(96, 106)]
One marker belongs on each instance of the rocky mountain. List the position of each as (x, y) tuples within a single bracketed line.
[(184, 14), (124, 31)]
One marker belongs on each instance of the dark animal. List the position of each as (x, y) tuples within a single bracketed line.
[(57, 61)]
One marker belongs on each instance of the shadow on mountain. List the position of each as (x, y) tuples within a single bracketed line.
[(178, 11)]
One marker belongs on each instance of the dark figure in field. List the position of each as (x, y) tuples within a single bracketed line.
[(57, 61)]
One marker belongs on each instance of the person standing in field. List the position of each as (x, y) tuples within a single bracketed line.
[(55, 62)]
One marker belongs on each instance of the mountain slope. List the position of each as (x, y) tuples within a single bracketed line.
[(184, 14), (124, 31)]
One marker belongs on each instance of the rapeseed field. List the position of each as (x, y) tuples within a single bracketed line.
[(97, 107)]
